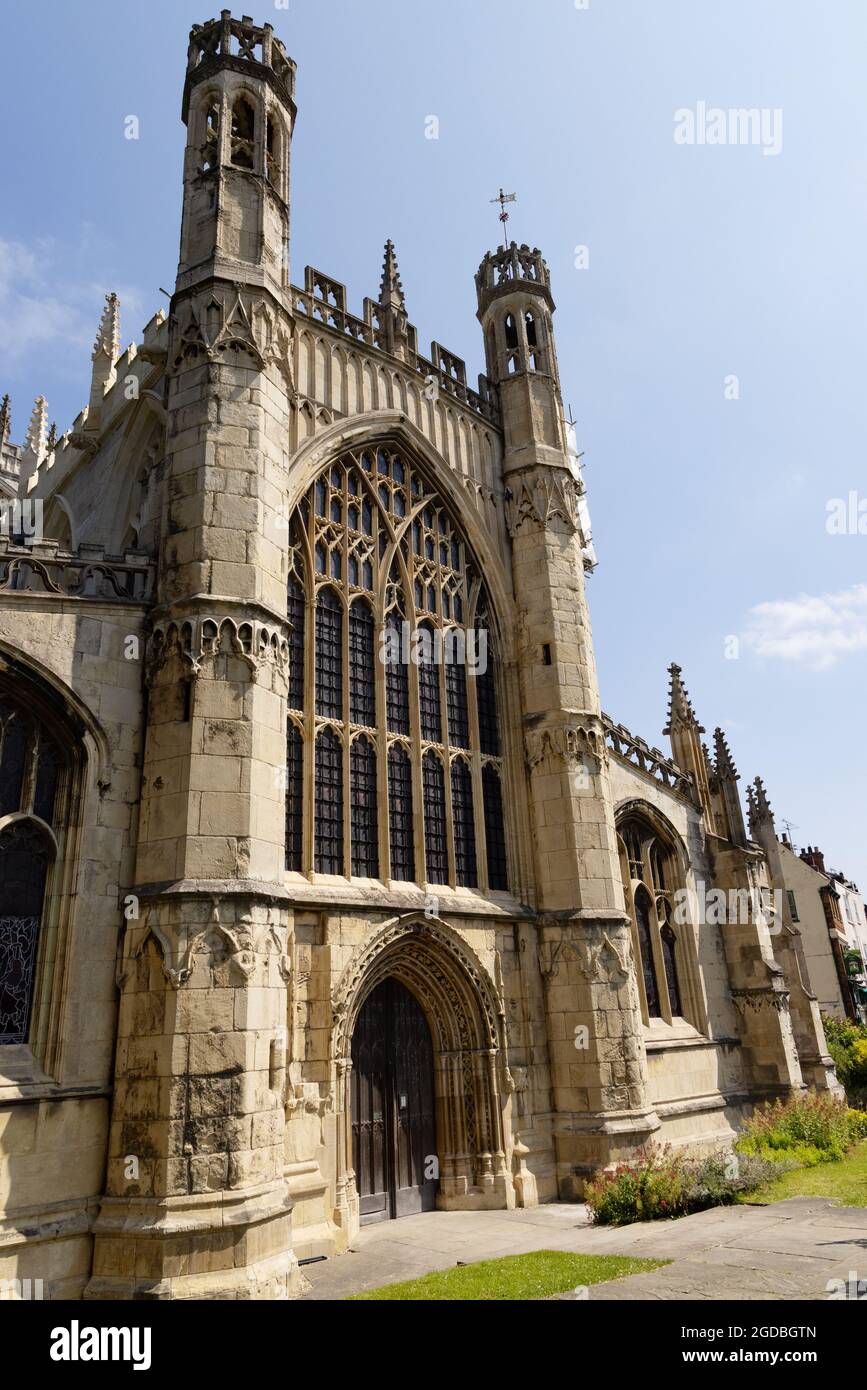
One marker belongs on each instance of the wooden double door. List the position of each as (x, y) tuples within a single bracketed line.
[(393, 1115)]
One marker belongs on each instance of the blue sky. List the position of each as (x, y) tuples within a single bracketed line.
[(705, 262)]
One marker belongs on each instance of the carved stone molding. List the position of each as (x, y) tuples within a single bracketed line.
[(199, 639), (183, 937), (599, 958), (576, 742), (761, 997), (541, 499), (223, 323)]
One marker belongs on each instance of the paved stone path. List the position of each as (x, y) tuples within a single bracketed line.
[(789, 1250)]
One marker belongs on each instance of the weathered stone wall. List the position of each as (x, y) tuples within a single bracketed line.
[(54, 1092)]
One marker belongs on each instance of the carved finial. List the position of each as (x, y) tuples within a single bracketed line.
[(758, 806), (680, 710), (708, 760), (725, 765), (37, 430), (391, 289), (108, 334), (5, 420)]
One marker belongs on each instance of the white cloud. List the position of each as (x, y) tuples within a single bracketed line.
[(814, 631), (44, 307)]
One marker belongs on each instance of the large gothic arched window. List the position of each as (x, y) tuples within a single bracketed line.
[(394, 752)]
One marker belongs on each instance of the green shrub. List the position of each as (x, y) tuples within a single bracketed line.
[(847, 1044), (660, 1184), (653, 1186), (812, 1128), (799, 1133)]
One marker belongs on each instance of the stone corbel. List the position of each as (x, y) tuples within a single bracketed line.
[(576, 742)]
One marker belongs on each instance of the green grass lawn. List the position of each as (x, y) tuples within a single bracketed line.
[(537, 1275), (844, 1182)]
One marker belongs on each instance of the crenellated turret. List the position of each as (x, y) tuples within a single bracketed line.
[(239, 109)]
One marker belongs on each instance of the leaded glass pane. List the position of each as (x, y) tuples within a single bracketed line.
[(429, 688), (456, 699), (329, 655), (464, 825), (294, 795), (363, 810), (295, 614), (362, 686), (396, 677), (435, 837), (642, 922), (328, 810), (495, 835), (400, 826)]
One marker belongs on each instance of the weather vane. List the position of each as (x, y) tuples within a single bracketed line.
[(504, 198)]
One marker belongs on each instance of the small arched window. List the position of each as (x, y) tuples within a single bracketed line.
[(532, 341), (512, 348), (273, 151), (211, 144), (650, 885), (242, 150)]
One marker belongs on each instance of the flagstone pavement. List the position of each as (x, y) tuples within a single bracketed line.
[(789, 1250)]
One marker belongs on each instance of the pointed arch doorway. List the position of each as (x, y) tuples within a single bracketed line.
[(393, 1107)]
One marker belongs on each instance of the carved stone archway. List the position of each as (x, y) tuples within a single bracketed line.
[(459, 1001)]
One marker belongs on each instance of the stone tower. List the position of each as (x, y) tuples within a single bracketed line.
[(196, 1202), (594, 1024)]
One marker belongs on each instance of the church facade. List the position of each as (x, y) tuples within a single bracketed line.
[(328, 892)]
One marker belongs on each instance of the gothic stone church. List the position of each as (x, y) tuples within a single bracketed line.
[(300, 930)]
